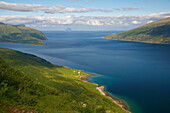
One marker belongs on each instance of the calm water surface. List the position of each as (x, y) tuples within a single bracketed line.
[(137, 73)]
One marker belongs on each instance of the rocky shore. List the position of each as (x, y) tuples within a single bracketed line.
[(101, 89)]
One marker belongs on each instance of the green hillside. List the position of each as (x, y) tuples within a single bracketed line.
[(155, 32), (20, 34), (30, 83)]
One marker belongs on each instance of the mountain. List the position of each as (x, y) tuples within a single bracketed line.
[(21, 34), (155, 32), (68, 29), (30, 83)]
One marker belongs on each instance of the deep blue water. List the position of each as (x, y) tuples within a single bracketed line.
[(137, 73)]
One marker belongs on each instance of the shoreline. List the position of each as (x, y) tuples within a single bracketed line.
[(143, 42), (25, 43), (100, 88), (102, 91)]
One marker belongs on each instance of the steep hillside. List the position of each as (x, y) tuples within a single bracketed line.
[(20, 34), (155, 32), (31, 83)]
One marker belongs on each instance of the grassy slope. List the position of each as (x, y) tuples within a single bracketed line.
[(33, 32), (155, 32), (21, 34), (47, 87)]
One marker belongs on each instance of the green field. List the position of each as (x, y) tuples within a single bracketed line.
[(29, 82), (155, 32), (21, 34)]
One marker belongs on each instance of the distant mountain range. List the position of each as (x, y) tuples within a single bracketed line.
[(21, 34), (155, 32)]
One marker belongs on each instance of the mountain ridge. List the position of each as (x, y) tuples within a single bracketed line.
[(21, 34), (154, 32)]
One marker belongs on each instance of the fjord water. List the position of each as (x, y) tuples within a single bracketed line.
[(137, 73)]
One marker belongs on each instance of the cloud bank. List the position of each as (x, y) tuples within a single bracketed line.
[(54, 21), (47, 9), (125, 9)]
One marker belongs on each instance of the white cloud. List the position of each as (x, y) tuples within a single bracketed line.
[(149, 21), (136, 22), (47, 9), (54, 21), (125, 9)]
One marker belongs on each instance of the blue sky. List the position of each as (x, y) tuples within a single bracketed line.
[(83, 14)]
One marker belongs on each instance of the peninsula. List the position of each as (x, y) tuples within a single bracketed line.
[(21, 34), (154, 32)]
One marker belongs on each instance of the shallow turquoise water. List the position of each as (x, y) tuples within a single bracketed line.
[(137, 73)]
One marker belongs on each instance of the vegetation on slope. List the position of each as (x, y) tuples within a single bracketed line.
[(20, 34), (29, 82), (155, 32)]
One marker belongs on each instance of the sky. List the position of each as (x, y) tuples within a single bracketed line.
[(83, 15)]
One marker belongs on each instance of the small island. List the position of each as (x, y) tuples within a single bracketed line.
[(21, 34), (154, 32)]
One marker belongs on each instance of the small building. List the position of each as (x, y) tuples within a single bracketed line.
[(84, 104)]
